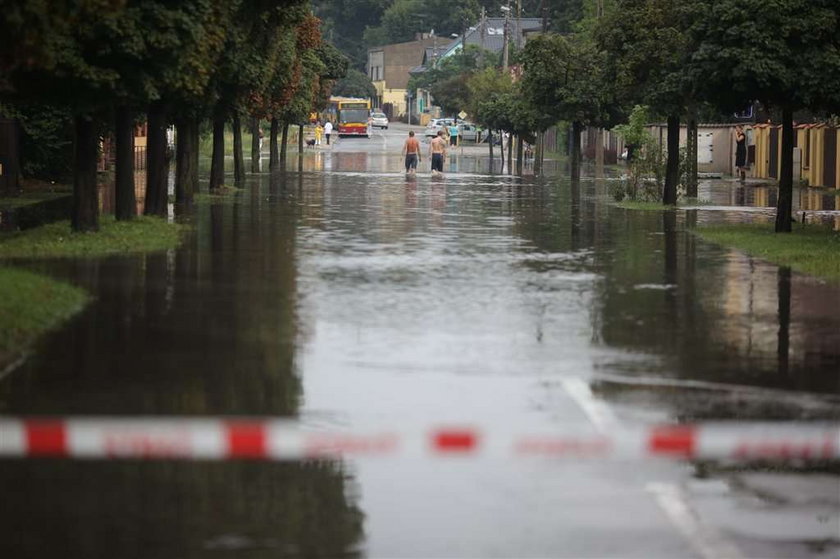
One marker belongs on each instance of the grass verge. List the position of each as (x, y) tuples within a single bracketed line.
[(810, 249), (55, 240), (643, 206), (31, 304), (220, 194), (29, 198)]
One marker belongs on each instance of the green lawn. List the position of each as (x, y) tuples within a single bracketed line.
[(31, 304), (810, 249), (643, 206), (55, 240), (29, 198)]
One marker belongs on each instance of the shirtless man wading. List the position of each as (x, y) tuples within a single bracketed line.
[(411, 150), (437, 149)]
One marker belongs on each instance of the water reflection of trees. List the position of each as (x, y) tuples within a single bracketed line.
[(208, 329), (714, 315)]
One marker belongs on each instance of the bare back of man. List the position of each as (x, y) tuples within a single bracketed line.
[(411, 151), (437, 151)]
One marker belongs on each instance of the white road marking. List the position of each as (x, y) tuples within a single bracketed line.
[(598, 412), (705, 539)]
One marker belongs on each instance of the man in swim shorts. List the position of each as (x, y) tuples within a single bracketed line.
[(437, 150), (411, 150)]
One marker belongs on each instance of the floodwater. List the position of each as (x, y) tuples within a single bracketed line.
[(345, 295)]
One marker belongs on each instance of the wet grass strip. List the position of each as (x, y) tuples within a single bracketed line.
[(31, 304), (27, 199), (809, 249), (224, 193), (55, 240), (643, 206)]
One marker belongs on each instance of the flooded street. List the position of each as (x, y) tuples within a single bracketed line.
[(348, 296)]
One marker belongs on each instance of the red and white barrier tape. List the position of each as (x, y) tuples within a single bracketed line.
[(268, 439)]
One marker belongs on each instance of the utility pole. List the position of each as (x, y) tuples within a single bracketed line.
[(506, 10), (544, 13), (599, 133), (519, 24), (434, 49), (482, 28)]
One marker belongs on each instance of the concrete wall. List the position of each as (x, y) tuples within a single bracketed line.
[(715, 149)]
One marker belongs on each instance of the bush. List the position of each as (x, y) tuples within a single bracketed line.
[(46, 140), (646, 176)]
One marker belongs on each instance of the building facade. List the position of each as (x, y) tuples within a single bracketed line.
[(388, 68)]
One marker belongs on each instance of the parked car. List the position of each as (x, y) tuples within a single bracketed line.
[(467, 131), (379, 120), (437, 124)]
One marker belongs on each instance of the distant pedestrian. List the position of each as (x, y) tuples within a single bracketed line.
[(437, 150), (453, 135), (411, 150), (741, 153), (328, 127), (319, 131)]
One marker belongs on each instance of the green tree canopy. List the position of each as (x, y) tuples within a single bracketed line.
[(404, 18), (354, 84), (562, 80), (783, 53)]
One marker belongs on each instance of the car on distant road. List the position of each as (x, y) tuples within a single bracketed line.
[(467, 131), (378, 120), (437, 124)]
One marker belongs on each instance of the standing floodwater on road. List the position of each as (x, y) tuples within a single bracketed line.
[(350, 298)]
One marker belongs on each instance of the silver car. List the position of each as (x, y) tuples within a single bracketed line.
[(467, 131), (437, 124), (379, 120)]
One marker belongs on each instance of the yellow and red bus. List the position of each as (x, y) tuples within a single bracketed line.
[(352, 115)]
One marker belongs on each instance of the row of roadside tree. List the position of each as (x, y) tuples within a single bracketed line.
[(116, 63), (679, 59)]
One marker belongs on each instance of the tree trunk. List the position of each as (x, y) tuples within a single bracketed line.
[(577, 129), (510, 154), (217, 163), (502, 150), (300, 142), (125, 202), (156, 162), (238, 153), (538, 151), (284, 142), (85, 216), (274, 154), (519, 155), (186, 159), (490, 143), (672, 169), (691, 155), (255, 145), (784, 208)]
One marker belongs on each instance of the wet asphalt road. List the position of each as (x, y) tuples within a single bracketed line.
[(346, 295)]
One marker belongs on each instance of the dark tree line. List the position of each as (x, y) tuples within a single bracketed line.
[(115, 64)]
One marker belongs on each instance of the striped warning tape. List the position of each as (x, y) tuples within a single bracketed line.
[(271, 439)]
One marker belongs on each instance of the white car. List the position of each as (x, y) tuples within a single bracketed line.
[(379, 120), (437, 124)]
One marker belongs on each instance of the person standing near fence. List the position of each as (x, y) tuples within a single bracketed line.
[(741, 153)]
